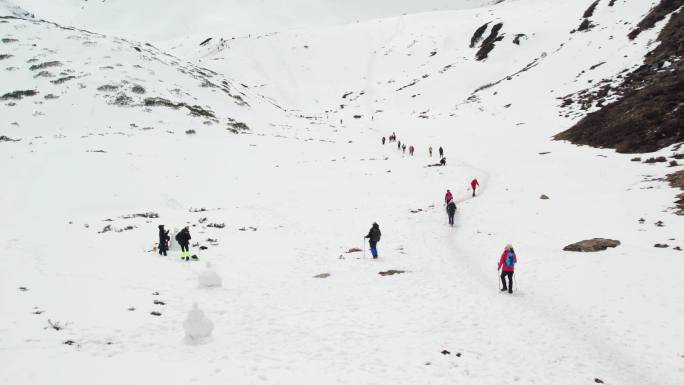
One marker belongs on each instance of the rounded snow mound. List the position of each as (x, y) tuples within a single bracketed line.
[(209, 277), (197, 326)]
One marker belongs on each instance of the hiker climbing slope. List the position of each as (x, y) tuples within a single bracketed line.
[(373, 239), (474, 184), (507, 266), (448, 196), (451, 211)]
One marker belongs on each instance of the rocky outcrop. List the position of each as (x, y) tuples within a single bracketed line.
[(591, 245), (648, 114)]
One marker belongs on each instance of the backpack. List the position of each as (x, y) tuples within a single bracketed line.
[(510, 259), (376, 234)]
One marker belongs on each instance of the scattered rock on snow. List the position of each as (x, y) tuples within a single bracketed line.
[(591, 245), (661, 245), (391, 272), (543, 196), (598, 381), (322, 275), (354, 250), (445, 352), (155, 313)]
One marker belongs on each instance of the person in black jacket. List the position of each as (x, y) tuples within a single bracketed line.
[(183, 238), (373, 239), (451, 211), (163, 240)]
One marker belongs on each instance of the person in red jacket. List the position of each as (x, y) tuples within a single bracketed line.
[(474, 184), (507, 265), (448, 197)]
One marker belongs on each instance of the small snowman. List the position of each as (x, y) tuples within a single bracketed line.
[(197, 326)]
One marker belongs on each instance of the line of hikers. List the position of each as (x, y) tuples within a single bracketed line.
[(183, 238), (402, 148), (450, 203)]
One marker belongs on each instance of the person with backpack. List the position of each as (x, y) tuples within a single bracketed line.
[(430, 151), (441, 152), (399, 145), (373, 239), (383, 140), (451, 211), (183, 238), (164, 239), (474, 184), (448, 196), (403, 148), (507, 266)]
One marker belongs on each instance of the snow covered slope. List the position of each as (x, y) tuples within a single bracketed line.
[(160, 20), (277, 208)]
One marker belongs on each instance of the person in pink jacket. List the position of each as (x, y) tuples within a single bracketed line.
[(507, 266), (448, 197), (474, 184)]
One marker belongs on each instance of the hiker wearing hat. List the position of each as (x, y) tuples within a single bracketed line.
[(164, 239), (183, 238), (373, 239), (506, 265)]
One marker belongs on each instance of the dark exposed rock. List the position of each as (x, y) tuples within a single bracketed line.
[(661, 245), (138, 89), (44, 74), (4, 138), (657, 13), (391, 272), (5, 56), (590, 11), (676, 180), (591, 245), (322, 275), (19, 94), (488, 43), (477, 36), (543, 196), (108, 87), (659, 159), (649, 112), (586, 25), (63, 79), (516, 39), (45, 65)]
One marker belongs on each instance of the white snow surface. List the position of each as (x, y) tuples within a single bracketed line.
[(302, 186), (209, 277)]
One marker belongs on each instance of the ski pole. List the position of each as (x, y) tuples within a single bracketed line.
[(363, 242)]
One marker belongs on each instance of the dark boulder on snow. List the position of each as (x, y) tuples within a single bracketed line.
[(391, 272), (544, 196), (591, 245)]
